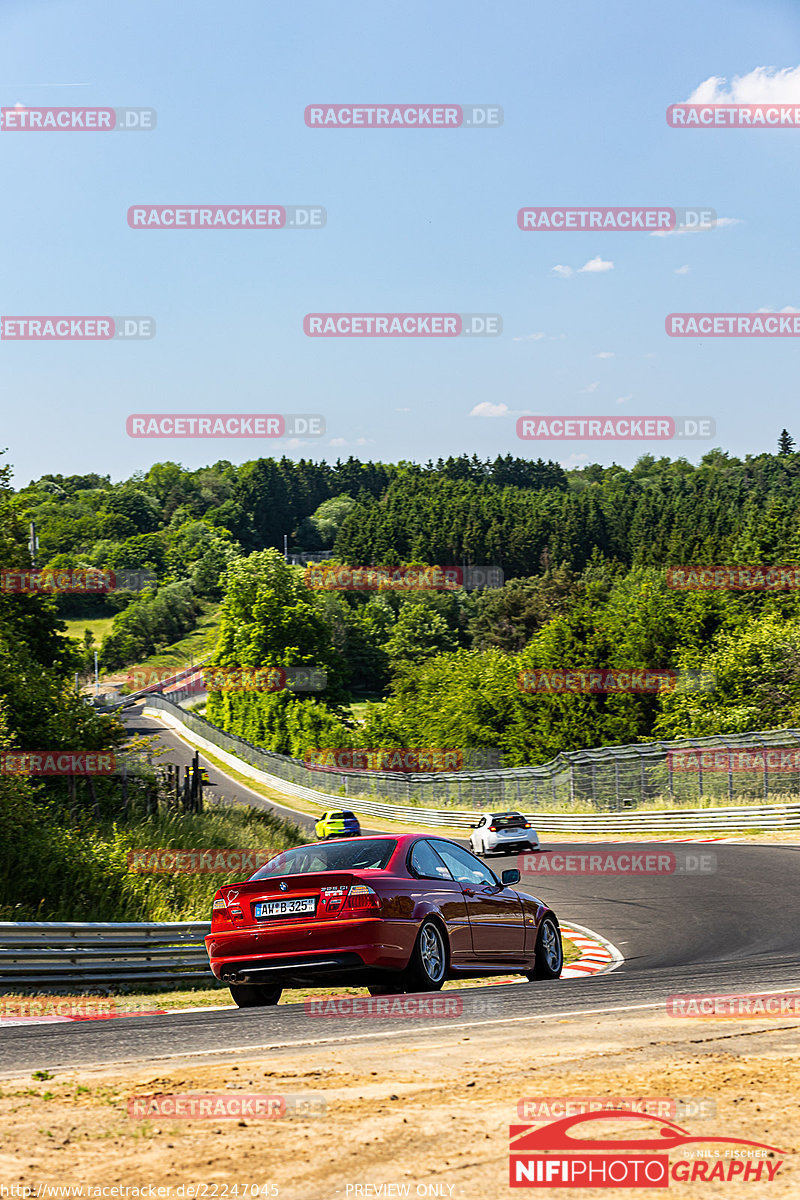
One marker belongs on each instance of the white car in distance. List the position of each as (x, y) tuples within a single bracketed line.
[(503, 833)]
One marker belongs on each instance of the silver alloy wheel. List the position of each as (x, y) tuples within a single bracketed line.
[(551, 945), (431, 952)]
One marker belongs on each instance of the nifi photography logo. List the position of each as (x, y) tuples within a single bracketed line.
[(549, 1156)]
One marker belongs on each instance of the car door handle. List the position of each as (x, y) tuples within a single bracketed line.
[(465, 891)]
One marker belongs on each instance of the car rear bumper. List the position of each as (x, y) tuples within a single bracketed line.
[(513, 847), (303, 953)]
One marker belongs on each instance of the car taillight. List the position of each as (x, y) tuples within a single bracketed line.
[(492, 829), (220, 916), (527, 825), (361, 897)]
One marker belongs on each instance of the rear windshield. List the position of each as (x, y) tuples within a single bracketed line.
[(363, 855), (348, 816), (508, 820)]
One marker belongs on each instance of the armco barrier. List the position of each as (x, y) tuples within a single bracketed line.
[(244, 757), (99, 954)]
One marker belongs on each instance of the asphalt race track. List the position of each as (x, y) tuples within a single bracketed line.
[(733, 930)]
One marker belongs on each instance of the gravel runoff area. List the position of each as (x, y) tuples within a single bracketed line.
[(424, 1111)]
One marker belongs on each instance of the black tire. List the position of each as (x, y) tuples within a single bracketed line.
[(254, 995), (549, 951), (386, 989), (430, 958)]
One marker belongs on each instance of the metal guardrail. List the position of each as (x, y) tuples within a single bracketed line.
[(735, 817), (98, 954)]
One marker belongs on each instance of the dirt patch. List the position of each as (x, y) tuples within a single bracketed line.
[(427, 1110)]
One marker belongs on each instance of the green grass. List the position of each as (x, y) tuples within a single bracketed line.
[(192, 648), (55, 871), (359, 707), (100, 627)]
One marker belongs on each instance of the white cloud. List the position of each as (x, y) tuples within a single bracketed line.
[(563, 271), (340, 441), (719, 223), (762, 85), (402, 410), (487, 409), (605, 354), (684, 270), (530, 337), (574, 460), (595, 265), (590, 387), (623, 399), (787, 309)]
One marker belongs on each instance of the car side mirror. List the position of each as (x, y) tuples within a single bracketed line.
[(509, 877)]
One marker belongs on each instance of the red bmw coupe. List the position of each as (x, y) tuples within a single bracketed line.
[(396, 914)]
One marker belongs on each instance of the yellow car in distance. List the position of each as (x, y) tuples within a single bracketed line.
[(338, 822)]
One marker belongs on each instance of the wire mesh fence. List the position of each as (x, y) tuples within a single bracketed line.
[(742, 768)]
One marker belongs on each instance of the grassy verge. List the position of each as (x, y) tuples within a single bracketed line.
[(191, 648), (56, 871)]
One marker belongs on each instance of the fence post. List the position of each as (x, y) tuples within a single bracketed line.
[(616, 782)]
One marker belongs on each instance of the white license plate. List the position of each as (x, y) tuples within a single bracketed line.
[(284, 908)]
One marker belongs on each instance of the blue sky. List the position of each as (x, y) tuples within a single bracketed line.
[(418, 221)]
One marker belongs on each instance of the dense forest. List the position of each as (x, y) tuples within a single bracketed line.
[(584, 554)]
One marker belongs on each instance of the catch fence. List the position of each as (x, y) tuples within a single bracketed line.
[(732, 769)]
